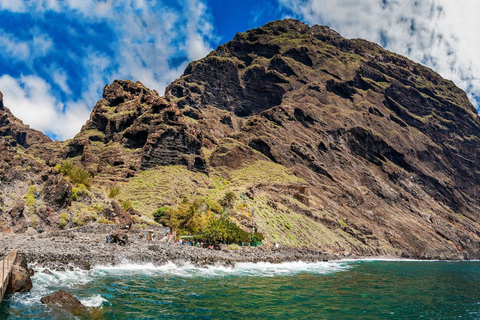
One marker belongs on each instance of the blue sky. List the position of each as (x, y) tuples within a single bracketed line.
[(57, 55)]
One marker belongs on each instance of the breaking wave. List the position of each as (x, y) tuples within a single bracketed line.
[(260, 269)]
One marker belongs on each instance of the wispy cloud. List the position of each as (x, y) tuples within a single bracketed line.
[(441, 34), (13, 48), (75, 47)]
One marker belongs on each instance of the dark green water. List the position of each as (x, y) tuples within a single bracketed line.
[(333, 290)]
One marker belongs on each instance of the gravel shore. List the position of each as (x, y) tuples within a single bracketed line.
[(85, 250)]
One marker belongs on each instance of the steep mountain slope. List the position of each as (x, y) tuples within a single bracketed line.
[(334, 144)]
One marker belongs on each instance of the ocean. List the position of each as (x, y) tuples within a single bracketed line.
[(325, 290)]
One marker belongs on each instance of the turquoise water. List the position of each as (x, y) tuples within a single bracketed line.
[(326, 290)]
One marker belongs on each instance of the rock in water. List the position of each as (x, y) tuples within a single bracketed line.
[(20, 280), (61, 298)]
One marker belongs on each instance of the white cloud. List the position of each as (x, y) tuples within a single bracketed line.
[(71, 120), (10, 46), (37, 45), (441, 34), (41, 44), (198, 28), (60, 78), (144, 36), (12, 5), (30, 99)]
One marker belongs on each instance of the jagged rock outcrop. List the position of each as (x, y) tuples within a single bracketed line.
[(133, 128)]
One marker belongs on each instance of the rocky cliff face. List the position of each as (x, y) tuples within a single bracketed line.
[(132, 128), (337, 144), (387, 147), (29, 188)]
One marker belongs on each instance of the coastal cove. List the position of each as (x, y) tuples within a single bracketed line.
[(367, 289), (291, 173)]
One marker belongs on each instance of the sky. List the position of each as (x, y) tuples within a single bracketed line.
[(56, 56)]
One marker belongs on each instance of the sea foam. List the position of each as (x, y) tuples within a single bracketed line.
[(260, 269), (93, 301)]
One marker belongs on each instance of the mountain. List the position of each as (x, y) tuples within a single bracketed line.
[(328, 143)]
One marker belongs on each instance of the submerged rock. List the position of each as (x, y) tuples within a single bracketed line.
[(61, 298)]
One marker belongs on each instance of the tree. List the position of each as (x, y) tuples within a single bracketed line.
[(225, 231), (160, 213)]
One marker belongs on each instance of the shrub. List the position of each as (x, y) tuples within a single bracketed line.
[(113, 191), (34, 221), (81, 176), (30, 196), (77, 174), (74, 193), (229, 199), (83, 215), (77, 219), (63, 220), (233, 246), (126, 204), (66, 168), (225, 231), (103, 220), (98, 208), (62, 223), (30, 199), (215, 206), (257, 236)]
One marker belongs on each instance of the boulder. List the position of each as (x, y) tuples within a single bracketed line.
[(61, 298), (118, 215), (58, 192), (119, 236), (133, 212), (21, 261), (18, 218), (19, 281), (30, 231)]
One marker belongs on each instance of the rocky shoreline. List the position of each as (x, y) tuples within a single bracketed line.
[(84, 250)]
